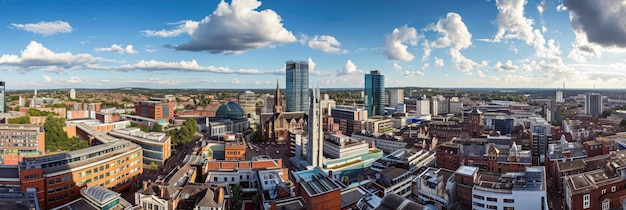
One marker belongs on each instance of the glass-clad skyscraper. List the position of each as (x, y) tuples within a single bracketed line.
[(297, 89), (375, 93)]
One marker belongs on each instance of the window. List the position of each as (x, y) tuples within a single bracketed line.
[(509, 200), (603, 191), (479, 197), (492, 199), (586, 201), (232, 179), (225, 179), (479, 204), (59, 180), (51, 181), (508, 208), (606, 204), (215, 179), (65, 178), (613, 189), (492, 207)]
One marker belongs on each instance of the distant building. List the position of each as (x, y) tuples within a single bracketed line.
[(593, 104), (72, 94), (559, 97), (378, 126), (20, 140), (348, 118), (375, 93), (247, 101), (410, 159), (156, 108), (396, 96), (297, 88), (3, 96)]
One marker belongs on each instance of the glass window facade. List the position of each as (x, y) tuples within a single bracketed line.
[(375, 93), (297, 86)]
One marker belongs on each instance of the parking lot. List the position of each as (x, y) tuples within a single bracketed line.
[(269, 150)]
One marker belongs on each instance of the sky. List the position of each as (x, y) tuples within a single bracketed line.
[(244, 44)]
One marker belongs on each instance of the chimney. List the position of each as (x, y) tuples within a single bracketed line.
[(373, 145), (161, 191)]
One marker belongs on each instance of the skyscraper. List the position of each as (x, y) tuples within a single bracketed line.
[(593, 104), (315, 144), (297, 79), (374, 93), (559, 97), (72, 94), (3, 107)]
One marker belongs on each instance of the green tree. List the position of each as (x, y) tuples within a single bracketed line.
[(57, 139), (236, 200), (154, 166), (20, 120), (257, 136), (157, 127), (607, 113)]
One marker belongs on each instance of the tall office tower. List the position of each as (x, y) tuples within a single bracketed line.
[(375, 93), (593, 104), (72, 94), (278, 100), (315, 147), (35, 93), (297, 86), (247, 102), (559, 97), (396, 96), (2, 98)]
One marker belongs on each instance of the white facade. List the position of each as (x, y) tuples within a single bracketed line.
[(593, 104), (378, 126), (315, 153), (422, 107), (396, 96), (342, 146), (456, 106), (501, 199), (387, 146), (296, 137), (72, 94), (559, 97)]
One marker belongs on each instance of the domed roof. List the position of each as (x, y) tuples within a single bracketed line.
[(229, 110), (100, 194)]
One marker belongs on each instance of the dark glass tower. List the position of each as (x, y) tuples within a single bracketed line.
[(297, 88), (375, 93)]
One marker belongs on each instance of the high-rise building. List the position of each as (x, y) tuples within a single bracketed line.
[(247, 102), (593, 104), (396, 96), (375, 93), (297, 80), (72, 94), (559, 97), (315, 153), (2, 98)]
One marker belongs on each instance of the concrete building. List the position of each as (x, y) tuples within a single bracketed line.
[(341, 146), (297, 88), (542, 136), (456, 106), (593, 104), (522, 190), (375, 93), (378, 126), (396, 96), (156, 145), (58, 178), (72, 93), (156, 108), (559, 97), (393, 181), (318, 189), (22, 138), (410, 159), (97, 198), (3, 97), (247, 101), (349, 118), (387, 144), (435, 186), (315, 147), (14, 198), (298, 140)]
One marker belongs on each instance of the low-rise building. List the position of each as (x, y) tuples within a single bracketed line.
[(374, 126), (17, 140), (514, 190), (393, 180), (96, 198), (409, 159), (387, 144), (435, 186), (156, 145), (317, 189)]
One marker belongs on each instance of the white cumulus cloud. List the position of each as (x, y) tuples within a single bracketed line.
[(185, 26), (47, 79), (326, 43), (232, 29), (74, 80), (413, 73), (454, 35), (349, 68), (397, 42), (397, 67), (439, 62), (45, 28), (507, 66), (36, 56), (118, 48)]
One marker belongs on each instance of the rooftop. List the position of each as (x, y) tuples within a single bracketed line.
[(467, 170), (315, 181), (393, 173), (533, 179)]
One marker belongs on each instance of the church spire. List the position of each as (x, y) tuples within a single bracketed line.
[(278, 99)]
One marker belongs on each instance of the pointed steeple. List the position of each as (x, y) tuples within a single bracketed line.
[(278, 99)]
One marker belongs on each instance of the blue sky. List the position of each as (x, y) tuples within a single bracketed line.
[(245, 43)]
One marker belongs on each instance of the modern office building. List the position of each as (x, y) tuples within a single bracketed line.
[(3, 96), (72, 94), (559, 97), (247, 102), (375, 93), (396, 96), (593, 104), (521, 190), (315, 147), (349, 118), (156, 108), (156, 145), (297, 80)]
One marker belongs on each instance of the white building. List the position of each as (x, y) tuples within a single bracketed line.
[(436, 185), (298, 140), (559, 97), (373, 126), (456, 105), (422, 107), (593, 104), (385, 143), (315, 152), (396, 96), (72, 94), (394, 180), (406, 158), (522, 190), (342, 146)]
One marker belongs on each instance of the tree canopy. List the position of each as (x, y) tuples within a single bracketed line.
[(57, 139), (185, 133)]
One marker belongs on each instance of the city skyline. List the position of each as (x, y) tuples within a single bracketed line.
[(244, 43)]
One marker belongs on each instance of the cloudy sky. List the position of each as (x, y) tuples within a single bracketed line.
[(245, 43)]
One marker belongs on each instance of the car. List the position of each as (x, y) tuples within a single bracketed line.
[(277, 152)]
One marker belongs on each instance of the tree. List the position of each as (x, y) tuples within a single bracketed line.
[(154, 166), (57, 139), (236, 200), (20, 120), (607, 113), (157, 128), (257, 136)]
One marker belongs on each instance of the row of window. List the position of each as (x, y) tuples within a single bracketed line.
[(490, 199), (59, 189), (31, 176), (486, 206), (59, 179), (60, 197)]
